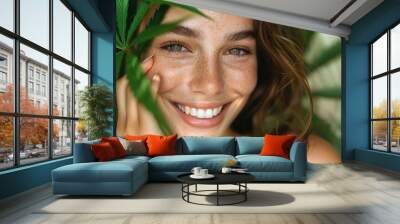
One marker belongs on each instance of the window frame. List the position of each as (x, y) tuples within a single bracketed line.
[(388, 74), (16, 115)]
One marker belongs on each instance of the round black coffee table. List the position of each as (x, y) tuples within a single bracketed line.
[(238, 179)]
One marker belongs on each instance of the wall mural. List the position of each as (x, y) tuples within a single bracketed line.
[(196, 72)]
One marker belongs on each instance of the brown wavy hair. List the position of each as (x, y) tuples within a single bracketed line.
[(278, 104)]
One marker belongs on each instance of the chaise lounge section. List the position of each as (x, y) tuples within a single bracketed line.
[(125, 176)]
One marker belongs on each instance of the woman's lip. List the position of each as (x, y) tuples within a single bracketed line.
[(201, 105), (201, 122)]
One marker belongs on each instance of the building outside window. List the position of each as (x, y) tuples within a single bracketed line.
[(58, 125), (385, 91)]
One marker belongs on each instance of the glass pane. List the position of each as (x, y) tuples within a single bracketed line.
[(6, 74), (379, 56), (62, 138), (7, 14), (62, 29), (35, 21), (379, 97), (34, 97), (6, 142), (62, 89), (395, 94), (395, 47), (81, 131), (33, 139), (81, 81), (395, 136), (379, 135), (81, 45)]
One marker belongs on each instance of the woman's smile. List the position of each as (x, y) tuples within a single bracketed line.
[(206, 76)]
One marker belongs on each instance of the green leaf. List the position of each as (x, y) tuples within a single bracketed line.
[(333, 92), (119, 63), (325, 56), (308, 37), (141, 11), (185, 7), (324, 130), (122, 14), (140, 86), (154, 31)]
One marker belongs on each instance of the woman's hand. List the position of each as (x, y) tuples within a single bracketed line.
[(134, 118)]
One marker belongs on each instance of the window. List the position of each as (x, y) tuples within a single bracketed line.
[(47, 76), (385, 91)]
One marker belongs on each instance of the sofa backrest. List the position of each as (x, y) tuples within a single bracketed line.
[(249, 145), (193, 145), (83, 152)]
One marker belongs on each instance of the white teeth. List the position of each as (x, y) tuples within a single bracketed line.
[(200, 113)]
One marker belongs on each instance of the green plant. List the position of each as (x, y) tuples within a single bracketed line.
[(96, 102), (131, 44)]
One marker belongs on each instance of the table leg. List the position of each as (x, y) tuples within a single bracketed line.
[(217, 194)]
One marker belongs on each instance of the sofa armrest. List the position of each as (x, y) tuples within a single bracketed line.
[(83, 152), (298, 155)]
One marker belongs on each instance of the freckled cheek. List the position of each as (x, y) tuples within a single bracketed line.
[(242, 79), (174, 73)]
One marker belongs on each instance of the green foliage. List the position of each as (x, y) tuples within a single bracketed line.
[(132, 44), (97, 102)]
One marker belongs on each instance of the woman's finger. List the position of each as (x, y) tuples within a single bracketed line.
[(121, 86), (147, 122), (132, 105)]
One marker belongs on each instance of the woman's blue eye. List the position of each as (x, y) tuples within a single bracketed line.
[(238, 52), (174, 48)]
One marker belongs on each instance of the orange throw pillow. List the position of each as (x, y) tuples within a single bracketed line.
[(277, 145), (116, 145), (103, 151), (161, 145)]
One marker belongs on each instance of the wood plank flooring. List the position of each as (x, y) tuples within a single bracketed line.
[(377, 188)]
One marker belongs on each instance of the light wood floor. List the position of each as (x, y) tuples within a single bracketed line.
[(378, 188)]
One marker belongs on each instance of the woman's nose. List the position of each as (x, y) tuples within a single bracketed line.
[(207, 77)]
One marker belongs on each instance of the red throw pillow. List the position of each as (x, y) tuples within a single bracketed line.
[(277, 145), (103, 151), (116, 145), (136, 137), (161, 145)]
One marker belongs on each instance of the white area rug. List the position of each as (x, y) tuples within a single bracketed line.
[(166, 198)]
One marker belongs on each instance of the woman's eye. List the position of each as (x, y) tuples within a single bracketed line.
[(174, 48), (238, 52)]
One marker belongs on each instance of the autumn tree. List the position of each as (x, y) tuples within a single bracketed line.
[(33, 131)]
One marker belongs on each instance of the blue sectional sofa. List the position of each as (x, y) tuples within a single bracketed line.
[(125, 176)]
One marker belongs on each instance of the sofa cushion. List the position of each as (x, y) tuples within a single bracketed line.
[(249, 145), (83, 152), (277, 145), (161, 145), (257, 163), (185, 163), (112, 171), (190, 145)]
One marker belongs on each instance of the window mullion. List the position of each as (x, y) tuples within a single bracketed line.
[(389, 112), (50, 81)]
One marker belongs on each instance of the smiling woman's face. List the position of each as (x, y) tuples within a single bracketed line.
[(208, 69)]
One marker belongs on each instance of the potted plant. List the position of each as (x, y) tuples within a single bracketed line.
[(96, 102)]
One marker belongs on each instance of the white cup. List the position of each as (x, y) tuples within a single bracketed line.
[(203, 172), (226, 170), (196, 171)]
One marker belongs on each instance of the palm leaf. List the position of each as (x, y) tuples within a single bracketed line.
[(324, 130), (324, 57), (141, 11), (122, 13), (154, 31), (185, 7), (141, 88), (333, 92), (119, 60)]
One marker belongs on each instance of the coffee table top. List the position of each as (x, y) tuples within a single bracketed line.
[(220, 178)]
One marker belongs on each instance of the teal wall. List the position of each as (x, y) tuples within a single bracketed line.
[(99, 16), (355, 78)]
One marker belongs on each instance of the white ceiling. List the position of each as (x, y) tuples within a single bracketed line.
[(326, 16)]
